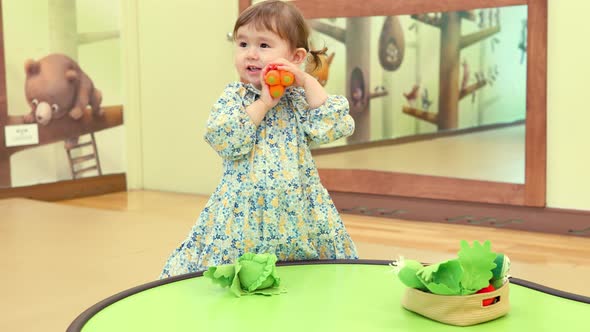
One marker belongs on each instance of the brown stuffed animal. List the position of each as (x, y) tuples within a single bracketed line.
[(55, 86)]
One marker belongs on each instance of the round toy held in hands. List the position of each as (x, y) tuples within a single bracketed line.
[(278, 80)]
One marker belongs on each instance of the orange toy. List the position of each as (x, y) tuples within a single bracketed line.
[(287, 78), (277, 81), (276, 91)]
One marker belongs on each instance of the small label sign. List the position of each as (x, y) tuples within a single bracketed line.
[(18, 135)]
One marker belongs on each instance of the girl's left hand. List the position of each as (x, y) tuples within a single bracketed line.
[(315, 94), (300, 76)]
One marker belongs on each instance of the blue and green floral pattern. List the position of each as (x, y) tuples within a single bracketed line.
[(270, 199)]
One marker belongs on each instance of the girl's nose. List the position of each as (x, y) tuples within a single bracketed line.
[(252, 53)]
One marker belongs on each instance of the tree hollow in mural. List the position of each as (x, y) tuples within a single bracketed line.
[(356, 38), (391, 44), (438, 71)]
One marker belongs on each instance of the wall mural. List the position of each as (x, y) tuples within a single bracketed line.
[(63, 115), (424, 73)]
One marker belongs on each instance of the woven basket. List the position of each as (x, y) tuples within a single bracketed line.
[(458, 310)]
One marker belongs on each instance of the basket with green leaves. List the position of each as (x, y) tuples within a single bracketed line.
[(467, 290)]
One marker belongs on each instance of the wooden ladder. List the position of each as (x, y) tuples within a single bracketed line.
[(93, 155)]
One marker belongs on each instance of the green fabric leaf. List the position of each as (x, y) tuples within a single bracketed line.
[(477, 263), (258, 271), (442, 278), (442, 289), (236, 286), (500, 272), (222, 275), (406, 273), (251, 274), (426, 273)]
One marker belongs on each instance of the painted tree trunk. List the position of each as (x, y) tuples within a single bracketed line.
[(358, 31), (63, 38), (63, 28), (448, 101)]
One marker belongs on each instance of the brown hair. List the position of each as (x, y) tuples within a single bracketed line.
[(285, 20)]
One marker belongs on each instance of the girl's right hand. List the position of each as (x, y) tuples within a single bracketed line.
[(265, 96)]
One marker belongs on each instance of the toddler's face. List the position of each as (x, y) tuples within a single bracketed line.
[(255, 49)]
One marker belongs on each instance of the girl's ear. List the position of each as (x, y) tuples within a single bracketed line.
[(299, 55)]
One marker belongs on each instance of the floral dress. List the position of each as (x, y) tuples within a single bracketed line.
[(270, 198)]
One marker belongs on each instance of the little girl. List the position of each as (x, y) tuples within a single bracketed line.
[(270, 198)]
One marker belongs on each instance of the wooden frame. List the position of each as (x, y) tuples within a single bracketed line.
[(62, 189), (533, 191)]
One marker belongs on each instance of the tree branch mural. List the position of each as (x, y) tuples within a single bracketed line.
[(452, 42), (356, 37), (56, 131)]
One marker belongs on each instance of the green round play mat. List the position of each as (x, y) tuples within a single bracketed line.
[(341, 295)]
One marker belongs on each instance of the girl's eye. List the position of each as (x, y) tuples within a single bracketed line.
[(242, 44), (54, 108), (35, 102), (264, 45)]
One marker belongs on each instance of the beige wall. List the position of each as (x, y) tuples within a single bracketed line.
[(177, 62), (568, 116)]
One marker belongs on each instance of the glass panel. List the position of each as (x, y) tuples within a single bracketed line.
[(63, 77), (427, 78)]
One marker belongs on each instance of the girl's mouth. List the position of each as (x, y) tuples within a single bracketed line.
[(253, 69)]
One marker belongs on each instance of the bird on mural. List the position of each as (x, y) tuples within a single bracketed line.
[(491, 77), (413, 94), (479, 76), (482, 19), (425, 101)]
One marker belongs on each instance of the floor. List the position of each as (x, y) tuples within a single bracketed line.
[(60, 258), (500, 156)]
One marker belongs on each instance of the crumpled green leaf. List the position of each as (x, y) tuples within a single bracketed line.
[(222, 275), (406, 270), (470, 272), (442, 278), (257, 271), (477, 263), (251, 274)]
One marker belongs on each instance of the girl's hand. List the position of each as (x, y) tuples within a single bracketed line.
[(300, 76), (315, 94), (265, 96)]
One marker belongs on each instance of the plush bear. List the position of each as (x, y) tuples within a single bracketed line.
[(55, 86)]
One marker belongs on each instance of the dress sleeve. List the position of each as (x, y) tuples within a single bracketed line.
[(230, 131), (326, 123)]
